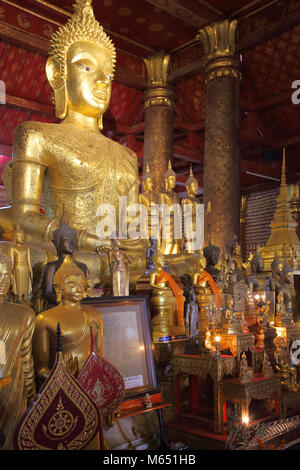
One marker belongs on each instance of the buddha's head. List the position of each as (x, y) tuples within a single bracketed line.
[(65, 239), (69, 283), (211, 253), (5, 274), (80, 66), (18, 236), (147, 180), (170, 177), (276, 265), (192, 185), (159, 260)]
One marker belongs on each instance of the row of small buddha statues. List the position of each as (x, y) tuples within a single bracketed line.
[(173, 211)]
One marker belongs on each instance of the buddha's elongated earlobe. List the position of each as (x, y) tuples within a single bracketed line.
[(58, 85)]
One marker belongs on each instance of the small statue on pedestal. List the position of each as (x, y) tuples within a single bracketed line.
[(276, 281), (287, 372), (119, 262), (246, 372), (233, 323), (148, 198), (22, 275), (211, 254), (267, 369), (208, 341), (280, 310), (287, 288), (256, 281), (191, 316)]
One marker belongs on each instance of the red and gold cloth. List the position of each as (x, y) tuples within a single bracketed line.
[(62, 416), (102, 382), (206, 277), (163, 276)]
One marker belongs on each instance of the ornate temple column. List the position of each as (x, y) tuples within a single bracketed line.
[(221, 173), (159, 105)]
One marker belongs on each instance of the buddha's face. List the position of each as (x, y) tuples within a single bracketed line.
[(171, 182), (19, 237), (192, 188), (148, 184), (73, 288), (5, 278), (89, 75), (67, 245)]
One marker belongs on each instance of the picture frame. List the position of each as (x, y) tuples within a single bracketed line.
[(127, 341)]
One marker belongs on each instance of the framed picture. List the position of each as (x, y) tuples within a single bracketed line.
[(127, 341)]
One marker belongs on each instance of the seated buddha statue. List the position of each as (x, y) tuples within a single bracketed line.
[(189, 206), (75, 320), (17, 324), (167, 301), (73, 163), (171, 222), (257, 281)]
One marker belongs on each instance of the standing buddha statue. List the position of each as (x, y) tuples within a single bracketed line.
[(17, 324), (22, 275), (73, 163), (171, 221), (189, 207), (148, 198)]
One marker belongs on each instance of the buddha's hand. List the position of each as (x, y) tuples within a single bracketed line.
[(71, 363)]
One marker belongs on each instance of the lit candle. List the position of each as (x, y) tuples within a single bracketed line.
[(217, 340), (246, 420)]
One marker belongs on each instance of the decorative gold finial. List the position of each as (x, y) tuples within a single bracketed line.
[(82, 26), (170, 172), (283, 170), (147, 173), (191, 179)]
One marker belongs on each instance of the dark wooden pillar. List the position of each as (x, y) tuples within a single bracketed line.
[(221, 173), (159, 105)]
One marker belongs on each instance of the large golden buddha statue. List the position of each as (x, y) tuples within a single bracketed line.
[(72, 164)]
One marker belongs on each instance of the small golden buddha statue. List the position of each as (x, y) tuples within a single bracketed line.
[(189, 207), (208, 341), (17, 324), (206, 290), (245, 372), (22, 275), (119, 263), (171, 220), (167, 301), (148, 198), (257, 281), (287, 372), (75, 320), (72, 162)]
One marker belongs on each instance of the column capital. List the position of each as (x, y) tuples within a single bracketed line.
[(219, 45), (159, 92)]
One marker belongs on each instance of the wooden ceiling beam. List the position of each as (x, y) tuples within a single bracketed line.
[(269, 31), (14, 35), (187, 11), (6, 150), (28, 105), (267, 103)]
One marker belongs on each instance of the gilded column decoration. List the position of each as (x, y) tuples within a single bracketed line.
[(222, 132), (159, 104), (243, 215)]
